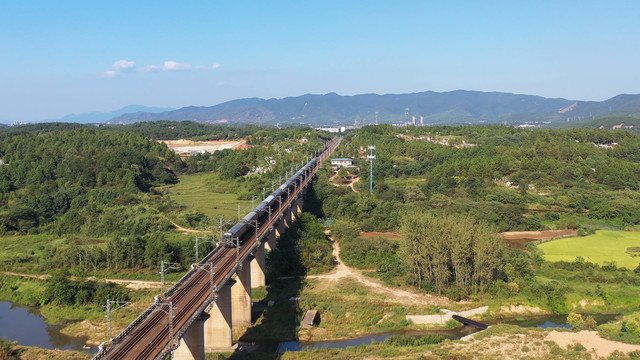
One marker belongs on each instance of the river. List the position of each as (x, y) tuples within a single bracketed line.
[(26, 326), (546, 321)]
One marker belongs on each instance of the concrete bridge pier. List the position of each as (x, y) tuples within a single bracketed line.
[(270, 244), (258, 267), (294, 210), (299, 204), (192, 342), (286, 216), (241, 296), (217, 329), (280, 226)]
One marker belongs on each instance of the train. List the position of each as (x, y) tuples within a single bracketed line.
[(235, 236)]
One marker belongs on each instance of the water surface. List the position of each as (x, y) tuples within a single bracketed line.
[(26, 326)]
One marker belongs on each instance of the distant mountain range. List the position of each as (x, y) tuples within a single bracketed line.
[(458, 107), (450, 108), (99, 117)]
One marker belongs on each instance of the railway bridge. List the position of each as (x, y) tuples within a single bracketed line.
[(198, 312)]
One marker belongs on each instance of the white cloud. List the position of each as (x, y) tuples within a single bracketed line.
[(215, 66), (175, 66), (123, 65), (200, 67), (150, 68), (109, 74)]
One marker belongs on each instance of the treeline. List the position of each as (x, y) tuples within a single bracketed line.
[(498, 175), (173, 130), (127, 253), (448, 253), (62, 290), (60, 174)]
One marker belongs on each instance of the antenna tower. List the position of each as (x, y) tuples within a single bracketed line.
[(371, 157)]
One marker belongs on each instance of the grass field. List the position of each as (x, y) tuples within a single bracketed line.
[(192, 191), (599, 248)]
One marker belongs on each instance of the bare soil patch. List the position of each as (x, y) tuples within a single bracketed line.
[(538, 235), (503, 347), (185, 230), (520, 239), (520, 309), (188, 147), (592, 341)]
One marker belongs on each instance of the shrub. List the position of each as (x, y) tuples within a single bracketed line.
[(406, 340), (455, 293), (631, 327), (6, 349), (575, 320)]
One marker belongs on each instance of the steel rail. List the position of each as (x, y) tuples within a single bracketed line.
[(151, 329)]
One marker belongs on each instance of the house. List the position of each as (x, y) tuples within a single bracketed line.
[(338, 163)]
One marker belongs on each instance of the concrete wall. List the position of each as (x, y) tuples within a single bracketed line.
[(442, 319)]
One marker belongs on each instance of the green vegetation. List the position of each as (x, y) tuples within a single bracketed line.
[(628, 121), (511, 178), (7, 350), (604, 247), (197, 193), (95, 198), (102, 202), (303, 249), (405, 340), (452, 254)]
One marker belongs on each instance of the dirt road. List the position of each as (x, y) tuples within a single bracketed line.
[(392, 294), (130, 284)]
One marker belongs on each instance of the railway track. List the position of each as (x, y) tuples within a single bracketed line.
[(151, 337)]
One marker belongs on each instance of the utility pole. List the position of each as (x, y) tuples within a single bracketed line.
[(197, 248), (371, 157), (120, 305), (164, 266), (197, 240), (172, 345)]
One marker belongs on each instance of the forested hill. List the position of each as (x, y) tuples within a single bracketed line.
[(455, 107), (71, 172), (629, 122)]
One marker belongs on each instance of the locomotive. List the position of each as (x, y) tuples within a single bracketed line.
[(236, 235)]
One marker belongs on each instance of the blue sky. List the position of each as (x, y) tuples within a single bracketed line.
[(62, 57)]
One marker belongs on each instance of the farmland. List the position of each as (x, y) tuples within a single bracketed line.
[(602, 247), (193, 191)]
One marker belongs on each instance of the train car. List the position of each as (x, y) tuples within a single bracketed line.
[(261, 207), (261, 213), (234, 235)]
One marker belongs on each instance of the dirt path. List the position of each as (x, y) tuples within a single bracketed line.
[(191, 231), (350, 184), (131, 284), (392, 294), (353, 182)]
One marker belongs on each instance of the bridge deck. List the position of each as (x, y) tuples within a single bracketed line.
[(150, 338)]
